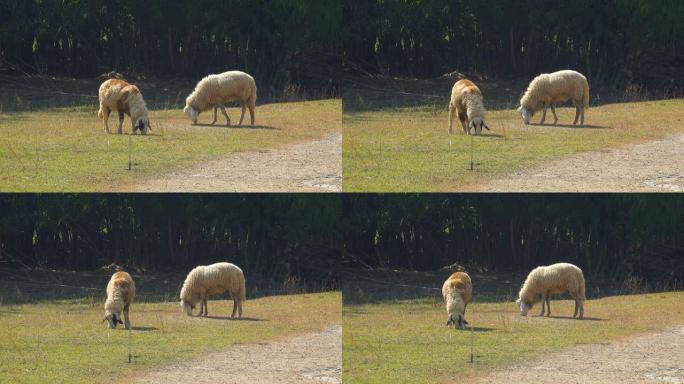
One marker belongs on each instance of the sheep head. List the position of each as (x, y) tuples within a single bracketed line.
[(112, 319), (458, 320), (524, 306), (192, 113), (187, 307), (477, 124), (142, 124), (526, 114)]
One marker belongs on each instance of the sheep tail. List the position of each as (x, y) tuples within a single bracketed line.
[(100, 113), (585, 95)]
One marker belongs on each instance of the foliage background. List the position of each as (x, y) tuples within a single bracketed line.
[(614, 42)]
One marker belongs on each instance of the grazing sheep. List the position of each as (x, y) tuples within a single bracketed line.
[(549, 89), (466, 100), (120, 294), (118, 95), (217, 90), (214, 279), (542, 282), (457, 292)]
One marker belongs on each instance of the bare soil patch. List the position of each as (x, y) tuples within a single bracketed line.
[(654, 358), (308, 359), (314, 166), (656, 166)]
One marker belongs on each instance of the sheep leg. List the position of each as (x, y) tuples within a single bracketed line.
[(581, 116), (127, 321), (543, 301), (242, 115), (543, 117), (235, 306), (214, 121), (223, 111), (555, 118), (548, 306), (204, 304), (451, 120), (581, 309), (239, 308), (464, 122), (105, 117), (251, 112), (121, 119), (576, 308)]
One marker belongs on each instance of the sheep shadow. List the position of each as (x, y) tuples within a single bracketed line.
[(491, 135), (585, 126), (572, 318), (266, 127), (234, 318), (144, 329), (477, 329)]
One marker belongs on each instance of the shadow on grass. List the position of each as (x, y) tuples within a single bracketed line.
[(585, 126), (491, 135), (144, 329), (572, 318), (477, 329), (234, 318), (266, 127)]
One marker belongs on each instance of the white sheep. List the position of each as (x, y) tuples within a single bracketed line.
[(466, 102), (542, 282), (118, 95), (213, 279), (549, 89), (214, 91), (120, 295), (457, 292)]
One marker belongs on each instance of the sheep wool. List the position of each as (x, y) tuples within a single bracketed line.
[(214, 279), (457, 292), (549, 89), (466, 102), (542, 282), (120, 295), (214, 91), (117, 95)]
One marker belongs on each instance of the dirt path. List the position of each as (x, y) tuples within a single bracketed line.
[(314, 166), (313, 358), (656, 358), (656, 166)]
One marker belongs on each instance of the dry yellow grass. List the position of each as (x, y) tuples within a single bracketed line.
[(406, 341), (59, 342), (67, 150), (409, 149)]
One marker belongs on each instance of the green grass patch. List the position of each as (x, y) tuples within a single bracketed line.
[(66, 341), (407, 341), (409, 149), (66, 149)]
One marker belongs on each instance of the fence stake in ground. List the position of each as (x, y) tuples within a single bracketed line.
[(130, 356), (472, 344), (472, 145), (129, 152)]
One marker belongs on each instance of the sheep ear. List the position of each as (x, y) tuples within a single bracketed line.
[(487, 127), (119, 321), (104, 319)]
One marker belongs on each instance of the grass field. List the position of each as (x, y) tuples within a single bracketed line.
[(407, 341), (409, 149), (65, 341), (65, 149)]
